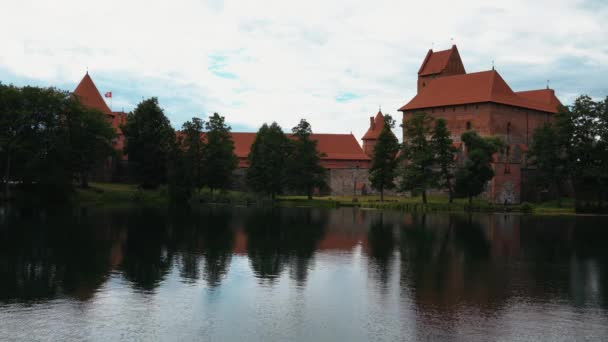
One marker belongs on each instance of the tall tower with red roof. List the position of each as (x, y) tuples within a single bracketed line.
[(373, 132), (89, 96), (439, 64)]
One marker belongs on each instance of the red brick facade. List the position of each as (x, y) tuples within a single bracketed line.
[(483, 102)]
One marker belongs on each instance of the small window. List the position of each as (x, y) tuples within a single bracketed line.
[(423, 84), (468, 125), (476, 106), (454, 109), (465, 107), (443, 109), (507, 169), (508, 128), (433, 110)]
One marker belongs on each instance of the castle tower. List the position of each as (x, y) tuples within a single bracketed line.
[(439, 64), (371, 136)]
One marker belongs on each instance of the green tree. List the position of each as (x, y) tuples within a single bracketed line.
[(14, 122), (472, 178), (384, 159), (149, 137), (181, 182), (546, 153), (267, 160), (191, 153), (304, 164), (582, 131), (219, 157), (90, 136), (418, 174), (45, 167), (443, 150)]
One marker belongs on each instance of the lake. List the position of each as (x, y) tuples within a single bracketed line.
[(299, 274)]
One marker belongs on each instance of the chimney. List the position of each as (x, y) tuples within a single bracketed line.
[(372, 124)]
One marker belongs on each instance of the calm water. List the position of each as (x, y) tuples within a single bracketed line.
[(301, 275)]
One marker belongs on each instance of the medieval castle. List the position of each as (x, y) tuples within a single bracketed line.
[(480, 101)]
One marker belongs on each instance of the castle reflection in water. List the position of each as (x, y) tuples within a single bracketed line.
[(438, 261)]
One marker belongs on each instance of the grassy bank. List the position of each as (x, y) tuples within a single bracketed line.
[(124, 195), (434, 203)]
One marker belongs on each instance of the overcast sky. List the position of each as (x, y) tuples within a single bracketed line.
[(332, 62)]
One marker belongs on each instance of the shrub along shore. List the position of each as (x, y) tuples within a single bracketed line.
[(128, 195)]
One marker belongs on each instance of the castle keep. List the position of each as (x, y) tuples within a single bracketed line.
[(484, 102)]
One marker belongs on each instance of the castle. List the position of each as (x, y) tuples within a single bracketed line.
[(480, 101), (484, 102)]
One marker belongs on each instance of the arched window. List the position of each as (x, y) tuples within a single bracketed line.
[(468, 125)]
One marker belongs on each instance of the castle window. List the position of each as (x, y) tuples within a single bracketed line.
[(468, 125)]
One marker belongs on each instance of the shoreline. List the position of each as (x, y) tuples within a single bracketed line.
[(114, 195)]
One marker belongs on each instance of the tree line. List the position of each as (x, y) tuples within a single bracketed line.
[(49, 140), (426, 159), (202, 155), (571, 153), (50, 143)]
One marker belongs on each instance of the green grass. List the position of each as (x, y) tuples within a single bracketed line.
[(434, 203), (127, 195), (120, 195)]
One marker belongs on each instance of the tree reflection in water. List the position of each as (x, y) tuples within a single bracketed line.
[(381, 245), (280, 237)]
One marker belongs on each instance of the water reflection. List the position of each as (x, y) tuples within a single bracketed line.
[(277, 239), (434, 276)]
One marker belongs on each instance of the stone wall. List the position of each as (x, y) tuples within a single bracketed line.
[(345, 182)]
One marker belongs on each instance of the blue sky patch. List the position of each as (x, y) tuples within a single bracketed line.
[(347, 96)]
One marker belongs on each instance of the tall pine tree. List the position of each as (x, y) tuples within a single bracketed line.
[(220, 160), (191, 153), (418, 174), (304, 164), (443, 150), (384, 159)]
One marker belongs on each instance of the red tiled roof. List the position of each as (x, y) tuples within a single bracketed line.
[(478, 87), (374, 130), (334, 146), (435, 62), (546, 96), (89, 95)]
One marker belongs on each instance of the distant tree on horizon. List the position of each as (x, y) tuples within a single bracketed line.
[(382, 172)]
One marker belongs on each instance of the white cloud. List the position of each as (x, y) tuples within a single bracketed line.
[(283, 60)]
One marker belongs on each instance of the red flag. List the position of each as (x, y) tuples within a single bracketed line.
[(108, 94)]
